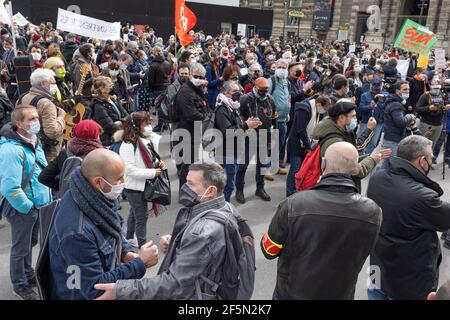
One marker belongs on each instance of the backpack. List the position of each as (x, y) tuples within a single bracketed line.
[(115, 147), (274, 85), (167, 109), (238, 270), (70, 164), (207, 124), (310, 170)]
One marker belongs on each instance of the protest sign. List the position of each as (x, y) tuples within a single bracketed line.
[(415, 38)]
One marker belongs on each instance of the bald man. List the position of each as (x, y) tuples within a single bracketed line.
[(85, 242), (323, 236)]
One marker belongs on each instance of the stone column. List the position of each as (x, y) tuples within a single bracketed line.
[(443, 26)]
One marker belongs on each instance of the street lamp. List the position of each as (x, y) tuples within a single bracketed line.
[(422, 6)]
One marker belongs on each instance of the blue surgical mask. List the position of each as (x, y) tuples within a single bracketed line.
[(281, 73), (113, 73), (352, 125), (405, 96), (123, 67), (35, 127)]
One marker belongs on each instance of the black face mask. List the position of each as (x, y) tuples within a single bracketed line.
[(236, 96), (429, 167), (183, 79), (298, 74), (188, 197)]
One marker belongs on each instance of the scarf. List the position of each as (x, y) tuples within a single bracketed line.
[(80, 147), (221, 98), (102, 211)]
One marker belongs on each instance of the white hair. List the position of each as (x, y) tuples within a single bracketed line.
[(254, 66), (41, 75), (283, 62), (197, 68)]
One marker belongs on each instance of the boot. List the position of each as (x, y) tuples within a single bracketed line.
[(269, 177), (282, 172), (240, 196), (260, 192)]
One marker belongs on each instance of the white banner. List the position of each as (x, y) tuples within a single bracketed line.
[(402, 67), (20, 20), (87, 26), (4, 16), (439, 58)]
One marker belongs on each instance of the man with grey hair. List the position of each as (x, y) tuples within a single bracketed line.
[(323, 236), (42, 96), (190, 104), (280, 91), (196, 248), (408, 252)]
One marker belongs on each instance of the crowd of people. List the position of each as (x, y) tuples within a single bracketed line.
[(368, 119)]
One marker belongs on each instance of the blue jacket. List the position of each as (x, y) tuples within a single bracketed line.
[(14, 150), (365, 110), (282, 97), (77, 244), (214, 85), (395, 120)]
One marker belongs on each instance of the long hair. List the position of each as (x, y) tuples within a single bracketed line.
[(132, 126)]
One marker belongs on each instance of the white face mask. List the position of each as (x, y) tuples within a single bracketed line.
[(197, 82), (53, 89), (148, 130), (116, 190), (36, 56)]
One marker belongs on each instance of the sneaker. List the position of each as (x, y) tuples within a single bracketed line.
[(32, 282), (282, 172), (262, 194), (240, 196), (25, 293), (269, 177)]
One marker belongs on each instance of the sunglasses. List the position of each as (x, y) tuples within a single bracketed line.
[(199, 77)]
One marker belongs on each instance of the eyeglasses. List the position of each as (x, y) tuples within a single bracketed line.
[(199, 77)]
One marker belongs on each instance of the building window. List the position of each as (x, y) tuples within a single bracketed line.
[(267, 3), (294, 3), (243, 3), (292, 21)]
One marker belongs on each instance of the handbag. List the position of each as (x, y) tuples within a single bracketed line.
[(157, 190)]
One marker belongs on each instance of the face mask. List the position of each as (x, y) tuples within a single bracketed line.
[(61, 73), (281, 73), (298, 73), (261, 95), (352, 125), (113, 73), (123, 67), (236, 96), (405, 96), (183, 79), (148, 130), (435, 91), (320, 69), (116, 190), (429, 167), (321, 110), (53, 89), (197, 82), (376, 88), (35, 127), (188, 197), (36, 56)]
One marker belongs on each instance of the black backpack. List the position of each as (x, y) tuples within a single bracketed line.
[(6, 107), (70, 164)]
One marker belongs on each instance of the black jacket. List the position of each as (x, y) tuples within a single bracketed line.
[(433, 118), (418, 88), (395, 120), (251, 106), (50, 175), (105, 115), (68, 48), (299, 142), (158, 74), (327, 234), (408, 251)]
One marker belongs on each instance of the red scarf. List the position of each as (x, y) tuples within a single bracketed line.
[(149, 164)]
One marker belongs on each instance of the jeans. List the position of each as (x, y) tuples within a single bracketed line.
[(437, 147), (296, 163), (376, 137), (135, 105), (137, 220), (231, 170), (376, 294), (282, 127), (386, 144), (24, 236)]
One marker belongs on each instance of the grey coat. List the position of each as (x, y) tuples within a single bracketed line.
[(197, 251)]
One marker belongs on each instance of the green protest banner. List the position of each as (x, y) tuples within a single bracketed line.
[(415, 38)]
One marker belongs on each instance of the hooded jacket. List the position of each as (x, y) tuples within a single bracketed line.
[(408, 251), (395, 120), (15, 154)]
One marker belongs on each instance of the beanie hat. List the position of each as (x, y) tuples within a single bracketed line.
[(87, 129)]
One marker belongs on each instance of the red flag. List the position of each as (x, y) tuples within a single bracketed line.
[(185, 20)]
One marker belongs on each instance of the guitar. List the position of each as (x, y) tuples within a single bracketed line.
[(75, 115)]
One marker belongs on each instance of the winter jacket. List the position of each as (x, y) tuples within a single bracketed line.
[(52, 124), (366, 112), (252, 106), (105, 114), (299, 141), (196, 251), (395, 121), (15, 154), (408, 251), (322, 238), (417, 89), (214, 86), (68, 48), (136, 172), (158, 74), (328, 127), (75, 240), (432, 118)]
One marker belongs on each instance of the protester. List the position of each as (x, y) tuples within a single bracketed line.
[(408, 252)]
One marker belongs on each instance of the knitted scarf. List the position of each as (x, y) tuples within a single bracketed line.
[(102, 211), (80, 147)]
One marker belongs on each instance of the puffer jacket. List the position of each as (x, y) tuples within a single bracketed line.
[(196, 251), (15, 153), (52, 124), (408, 251), (395, 120)]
